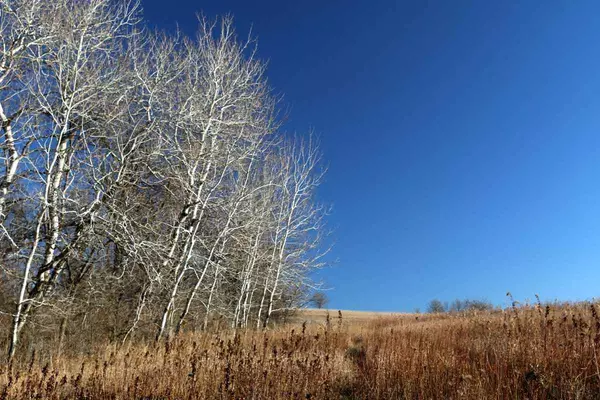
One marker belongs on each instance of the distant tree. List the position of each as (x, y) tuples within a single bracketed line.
[(457, 306), (470, 305), (478, 305), (436, 306), (319, 300)]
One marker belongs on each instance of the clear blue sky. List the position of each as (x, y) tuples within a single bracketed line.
[(463, 139)]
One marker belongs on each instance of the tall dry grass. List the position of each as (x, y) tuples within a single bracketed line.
[(537, 352)]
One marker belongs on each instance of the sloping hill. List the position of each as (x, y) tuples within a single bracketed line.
[(315, 315)]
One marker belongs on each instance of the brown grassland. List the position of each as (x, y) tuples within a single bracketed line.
[(528, 352)]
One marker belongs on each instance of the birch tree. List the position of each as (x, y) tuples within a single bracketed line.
[(68, 73), (298, 221), (145, 181), (228, 107)]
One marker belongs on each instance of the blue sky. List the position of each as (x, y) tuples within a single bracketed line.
[(462, 138)]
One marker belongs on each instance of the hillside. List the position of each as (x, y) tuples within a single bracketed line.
[(319, 316)]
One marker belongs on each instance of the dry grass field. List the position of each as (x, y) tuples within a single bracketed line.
[(319, 316), (533, 352)]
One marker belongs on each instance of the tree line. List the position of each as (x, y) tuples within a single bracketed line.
[(436, 306), (145, 184)]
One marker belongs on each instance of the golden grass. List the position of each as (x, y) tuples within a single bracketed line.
[(531, 352), (319, 316)]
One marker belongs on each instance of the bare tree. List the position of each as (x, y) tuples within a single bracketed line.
[(233, 113), (298, 224), (319, 299), (144, 181), (435, 306), (67, 73)]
